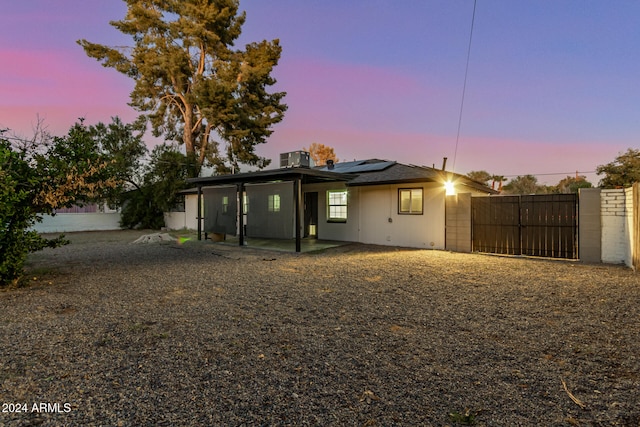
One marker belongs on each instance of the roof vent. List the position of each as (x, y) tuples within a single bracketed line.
[(330, 164)]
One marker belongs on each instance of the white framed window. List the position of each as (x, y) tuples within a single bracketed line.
[(337, 205), (274, 203), (410, 201)]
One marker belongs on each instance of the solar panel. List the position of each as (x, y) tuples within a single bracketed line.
[(359, 166), (370, 167), (342, 167)]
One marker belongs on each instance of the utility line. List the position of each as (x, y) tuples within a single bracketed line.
[(548, 174), (464, 86)]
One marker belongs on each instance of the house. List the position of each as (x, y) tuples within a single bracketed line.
[(369, 201)]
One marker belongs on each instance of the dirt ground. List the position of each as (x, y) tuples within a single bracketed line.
[(105, 332)]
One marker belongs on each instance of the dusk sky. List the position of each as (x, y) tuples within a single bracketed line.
[(553, 85)]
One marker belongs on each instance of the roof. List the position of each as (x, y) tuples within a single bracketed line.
[(355, 173), (398, 173), (283, 174)]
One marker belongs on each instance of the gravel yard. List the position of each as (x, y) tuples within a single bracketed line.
[(109, 333)]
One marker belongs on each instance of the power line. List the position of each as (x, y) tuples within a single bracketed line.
[(550, 173), (464, 86)]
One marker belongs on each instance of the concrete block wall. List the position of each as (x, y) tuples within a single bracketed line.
[(616, 247), (458, 222)]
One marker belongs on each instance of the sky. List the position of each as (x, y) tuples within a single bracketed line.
[(551, 85)]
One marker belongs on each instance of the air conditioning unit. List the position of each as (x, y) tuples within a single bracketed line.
[(295, 159)]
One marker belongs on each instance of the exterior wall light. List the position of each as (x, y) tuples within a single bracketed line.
[(450, 188)]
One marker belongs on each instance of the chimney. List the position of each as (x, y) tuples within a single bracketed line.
[(329, 164), (444, 163)]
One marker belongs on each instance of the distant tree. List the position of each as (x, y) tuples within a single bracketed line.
[(622, 172), (497, 179), (527, 184), (484, 177), (320, 153), (571, 184), (192, 85), (480, 176)]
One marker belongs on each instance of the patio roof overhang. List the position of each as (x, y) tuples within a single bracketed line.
[(297, 175)]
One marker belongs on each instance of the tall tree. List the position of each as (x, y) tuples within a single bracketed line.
[(622, 172), (192, 85), (320, 153)]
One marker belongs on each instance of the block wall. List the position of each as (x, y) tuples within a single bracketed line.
[(615, 227), (458, 222), (590, 225)]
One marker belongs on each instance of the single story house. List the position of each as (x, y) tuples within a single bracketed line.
[(369, 201)]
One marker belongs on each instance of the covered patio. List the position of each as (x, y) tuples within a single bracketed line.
[(276, 212)]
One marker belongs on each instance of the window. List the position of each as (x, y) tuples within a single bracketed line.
[(274, 203), (225, 204), (410, 201), (337, 206), (245, 204)]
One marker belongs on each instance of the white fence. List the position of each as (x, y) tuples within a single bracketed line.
[(69, 222)]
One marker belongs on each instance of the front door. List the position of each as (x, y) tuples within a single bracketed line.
[(311, 214)]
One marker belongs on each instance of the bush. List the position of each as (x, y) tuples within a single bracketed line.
[(139, 210), (18, 183), (38, 178)]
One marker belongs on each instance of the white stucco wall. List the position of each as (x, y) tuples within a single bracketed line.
[(341, 231), (184, 220), (373, 216), (616, 245), (70, 222), (381, 224)]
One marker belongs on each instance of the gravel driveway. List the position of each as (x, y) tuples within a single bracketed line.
[(199, 334)]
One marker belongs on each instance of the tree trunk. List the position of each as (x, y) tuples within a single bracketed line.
[(188, 139)]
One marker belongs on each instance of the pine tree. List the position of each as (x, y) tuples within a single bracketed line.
[(192, 85)]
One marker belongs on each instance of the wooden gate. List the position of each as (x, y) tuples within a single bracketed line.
[(544, 225)]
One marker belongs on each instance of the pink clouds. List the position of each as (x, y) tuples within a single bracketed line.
[(346, 96), (508, 157), (369, 112), (59, 87), (60, 78)]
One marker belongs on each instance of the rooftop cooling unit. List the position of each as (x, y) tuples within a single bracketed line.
[(295, 159)]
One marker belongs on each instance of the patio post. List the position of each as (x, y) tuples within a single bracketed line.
[(199, 214), (241, 213), (297, 200)]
